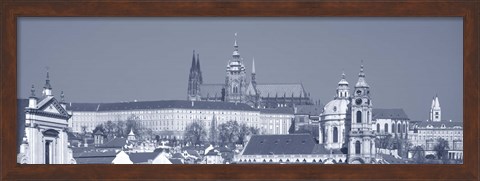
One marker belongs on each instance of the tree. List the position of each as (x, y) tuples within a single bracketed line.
[(418, 155), (441, 148), (291, 130), (110, 129), (120, 129), (84, 132), (229, 132), (213, 133), (385, 142), (195, 133), (98, 127), (245, 133)]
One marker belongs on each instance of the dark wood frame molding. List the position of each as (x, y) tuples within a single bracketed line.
[(10, 10)]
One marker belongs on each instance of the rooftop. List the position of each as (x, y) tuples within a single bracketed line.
[(142, 157), (389, 114), (143, 105), (282, 145)]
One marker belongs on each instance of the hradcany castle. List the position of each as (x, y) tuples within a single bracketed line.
[(346, 127)]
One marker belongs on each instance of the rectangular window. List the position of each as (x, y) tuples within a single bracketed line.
[(48, 150)]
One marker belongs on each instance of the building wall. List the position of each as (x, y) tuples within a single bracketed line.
[(302, 158), (401, 133), (426, 137), (175, 120)]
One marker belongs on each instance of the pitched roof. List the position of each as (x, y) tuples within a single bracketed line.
[(178, 155), (95, 157), (142, 157), (279, 110), (312, 110), (83, 106), (281, 89), (180, 104), (280, 144), (389, 114), (115, 143), (175, 161), (210, 90), (438, 124)]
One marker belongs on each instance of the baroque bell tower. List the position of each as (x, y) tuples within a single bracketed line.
[(361, 147)]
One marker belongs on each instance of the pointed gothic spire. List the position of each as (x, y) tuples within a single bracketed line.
[(437, 103), (199, 71), (192, 68)]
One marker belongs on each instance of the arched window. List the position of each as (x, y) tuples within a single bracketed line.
[(386, 128), (357, 147), (378, 128), (393, 128), (359, 117), (399, 128), (335, 134)]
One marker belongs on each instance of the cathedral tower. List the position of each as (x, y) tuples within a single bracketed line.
[(194, 79), (435, 110), (361, 147), (236, 79)]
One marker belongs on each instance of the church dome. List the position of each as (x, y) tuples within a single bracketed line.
[(337, 106)]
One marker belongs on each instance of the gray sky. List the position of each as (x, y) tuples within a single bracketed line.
[(407, 60)]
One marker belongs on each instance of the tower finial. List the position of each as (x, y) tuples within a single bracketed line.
[(235, 43), (47, 81), (361, 74), (32, 91), (236, 55), (62, 96), (253, 65)]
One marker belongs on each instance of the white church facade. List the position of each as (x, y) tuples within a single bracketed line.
[(46, 122)]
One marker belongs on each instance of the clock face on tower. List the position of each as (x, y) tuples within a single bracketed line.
[(358, 101)]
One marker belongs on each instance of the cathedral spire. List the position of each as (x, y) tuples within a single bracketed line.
[(199, 71), (192, 68)]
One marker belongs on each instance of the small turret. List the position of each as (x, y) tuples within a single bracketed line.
[(32, 100), (47, 89)]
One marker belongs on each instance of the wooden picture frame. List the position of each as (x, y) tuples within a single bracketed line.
[(11, 10)]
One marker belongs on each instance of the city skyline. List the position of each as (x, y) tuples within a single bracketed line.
[(92, 59)]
